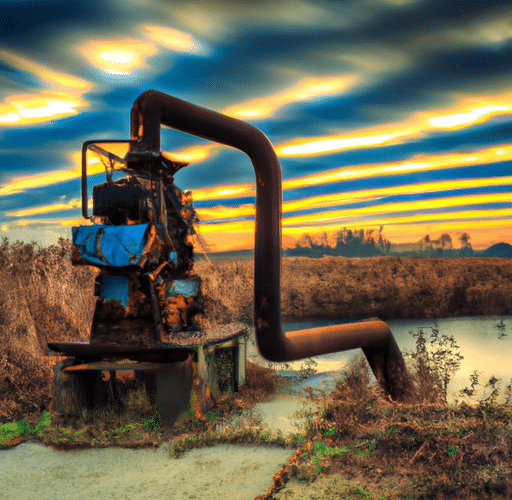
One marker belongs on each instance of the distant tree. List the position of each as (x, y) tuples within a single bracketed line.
[(446, 241), (465, 246), (305, 241), (464, 240)]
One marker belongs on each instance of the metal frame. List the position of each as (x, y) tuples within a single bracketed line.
[(85, 194)]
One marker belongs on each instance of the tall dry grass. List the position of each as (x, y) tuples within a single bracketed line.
[(42, 298), (386, 287)]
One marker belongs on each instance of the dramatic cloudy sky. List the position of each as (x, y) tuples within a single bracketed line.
[(393, 113)]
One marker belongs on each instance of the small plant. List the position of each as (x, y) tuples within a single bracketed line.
[(153, 422), (11, 432), (487, 399), (308, 368), (436, 359)]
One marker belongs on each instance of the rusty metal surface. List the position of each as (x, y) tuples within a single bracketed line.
[(87, 350), (119, 365)]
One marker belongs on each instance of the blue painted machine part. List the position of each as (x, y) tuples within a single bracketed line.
[(114, 246), (188, 287), (115, 288)]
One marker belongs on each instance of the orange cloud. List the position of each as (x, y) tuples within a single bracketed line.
[(23, 183), (336, 199), (25, 109), (221, 212), (56, 207), (62, 99), (331, 144), (417, 163), (117, 57), (468, 110), (306, 89), (177, 41), (223, 192), (192, 154), (56, 79), (52, 222), (401, 207)]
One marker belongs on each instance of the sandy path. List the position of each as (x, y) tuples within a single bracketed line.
[(236, 472)]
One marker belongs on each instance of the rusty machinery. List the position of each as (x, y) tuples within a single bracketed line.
[(141, 242)]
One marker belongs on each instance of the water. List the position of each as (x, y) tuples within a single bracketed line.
[(484, 341)]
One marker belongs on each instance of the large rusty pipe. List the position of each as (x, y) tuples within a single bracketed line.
[(153, 109)]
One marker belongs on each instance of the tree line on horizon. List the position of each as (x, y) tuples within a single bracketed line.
[(372, 243)]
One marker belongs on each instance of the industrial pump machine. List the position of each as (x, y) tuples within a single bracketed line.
[(148, 315)]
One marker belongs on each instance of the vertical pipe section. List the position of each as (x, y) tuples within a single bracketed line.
[(153, 109)]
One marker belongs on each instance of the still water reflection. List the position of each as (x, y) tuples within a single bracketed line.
[(484, 341)]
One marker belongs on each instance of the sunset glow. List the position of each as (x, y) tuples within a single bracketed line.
[(379, 118)]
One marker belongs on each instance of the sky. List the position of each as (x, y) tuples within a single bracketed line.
[(392, 114)]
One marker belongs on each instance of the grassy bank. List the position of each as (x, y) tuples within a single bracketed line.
[(361, 445), (386, 287)]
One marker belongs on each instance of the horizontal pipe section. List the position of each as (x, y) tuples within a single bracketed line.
[(153, 109), (342, 337)]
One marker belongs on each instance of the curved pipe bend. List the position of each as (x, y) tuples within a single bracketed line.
[(153, 109)]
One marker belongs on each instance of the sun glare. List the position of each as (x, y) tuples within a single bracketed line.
[(119, 57)]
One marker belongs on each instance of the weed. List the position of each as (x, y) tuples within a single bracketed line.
[(22, 428), (308, 368), (436, 359), (484, 398), (153, 422)]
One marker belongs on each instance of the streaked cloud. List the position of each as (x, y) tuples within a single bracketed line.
[(223, 192), (470, 110), (48, 77), (45, 209), (172, 39), (192, 154), (26, 109), (416, 163), (51, 222), (493, 29), (348, 197), (220, 19), (305, 90), (117, 57), (23, 183), (432, 204), (321, 145), (60, 95)]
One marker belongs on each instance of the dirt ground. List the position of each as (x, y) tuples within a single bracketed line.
[(237, 472)]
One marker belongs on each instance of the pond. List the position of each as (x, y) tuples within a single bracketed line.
[(484, 341)]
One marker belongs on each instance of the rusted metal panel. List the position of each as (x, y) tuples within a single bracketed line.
[(113, 365)]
